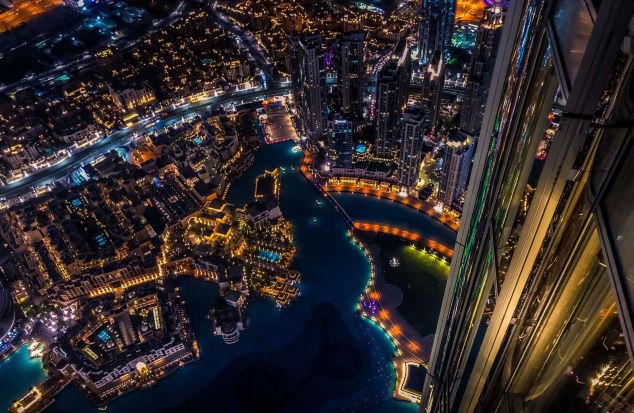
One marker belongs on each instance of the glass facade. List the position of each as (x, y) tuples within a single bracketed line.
[(572, 22), (618, 204), (568, 350), (537, 314), (474, 273)]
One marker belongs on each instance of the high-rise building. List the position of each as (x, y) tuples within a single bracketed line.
[(351, 73), (340, 141), (537, 313), (392, 91), (481, 68), (455, 168), (308, 80), (433, 81), (412, 131), (435, 28)]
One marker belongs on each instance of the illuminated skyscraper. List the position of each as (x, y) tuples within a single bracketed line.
[(481, 69), (308, 79), (340, 142), (537, 313), (412, 132), (433, 79), (436, 27), (392, 91), (434, 38), (351, 73), (455, 168)]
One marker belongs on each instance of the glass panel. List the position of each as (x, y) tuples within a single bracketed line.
[(511, 211), (527, 133), (479, 301), (572, 24), (617, 208), (571, 355), (505, 253)]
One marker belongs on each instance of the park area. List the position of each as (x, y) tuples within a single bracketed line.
[(420, 276)]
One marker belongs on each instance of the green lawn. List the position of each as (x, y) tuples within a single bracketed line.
[(422, 279)]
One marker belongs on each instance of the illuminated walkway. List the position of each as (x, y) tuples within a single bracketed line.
[(443, 250), (378, 303), (376, 189), (392, 196)]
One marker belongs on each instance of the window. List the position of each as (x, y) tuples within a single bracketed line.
[(571, 23), (617, 210)]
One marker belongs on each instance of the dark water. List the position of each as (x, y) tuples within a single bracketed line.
[(28, 371), (315, 356), (367, 208)]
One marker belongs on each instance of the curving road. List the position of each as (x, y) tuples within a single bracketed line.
[(124, 136), (271, 87), (406, 234), (247, 40)]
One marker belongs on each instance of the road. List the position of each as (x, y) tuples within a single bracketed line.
[(25, 11), (247, 40), (122, 137)]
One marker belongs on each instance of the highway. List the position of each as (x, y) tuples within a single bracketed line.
[(25, 11), (124, 136)]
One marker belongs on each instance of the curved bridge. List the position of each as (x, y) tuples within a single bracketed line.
[(446, 219), (405, 234)]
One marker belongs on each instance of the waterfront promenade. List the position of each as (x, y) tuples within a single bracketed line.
[(379, 304), (378, 189)]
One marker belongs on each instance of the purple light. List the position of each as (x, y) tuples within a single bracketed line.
[(330, 55), (370, 307), (501, 3)]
